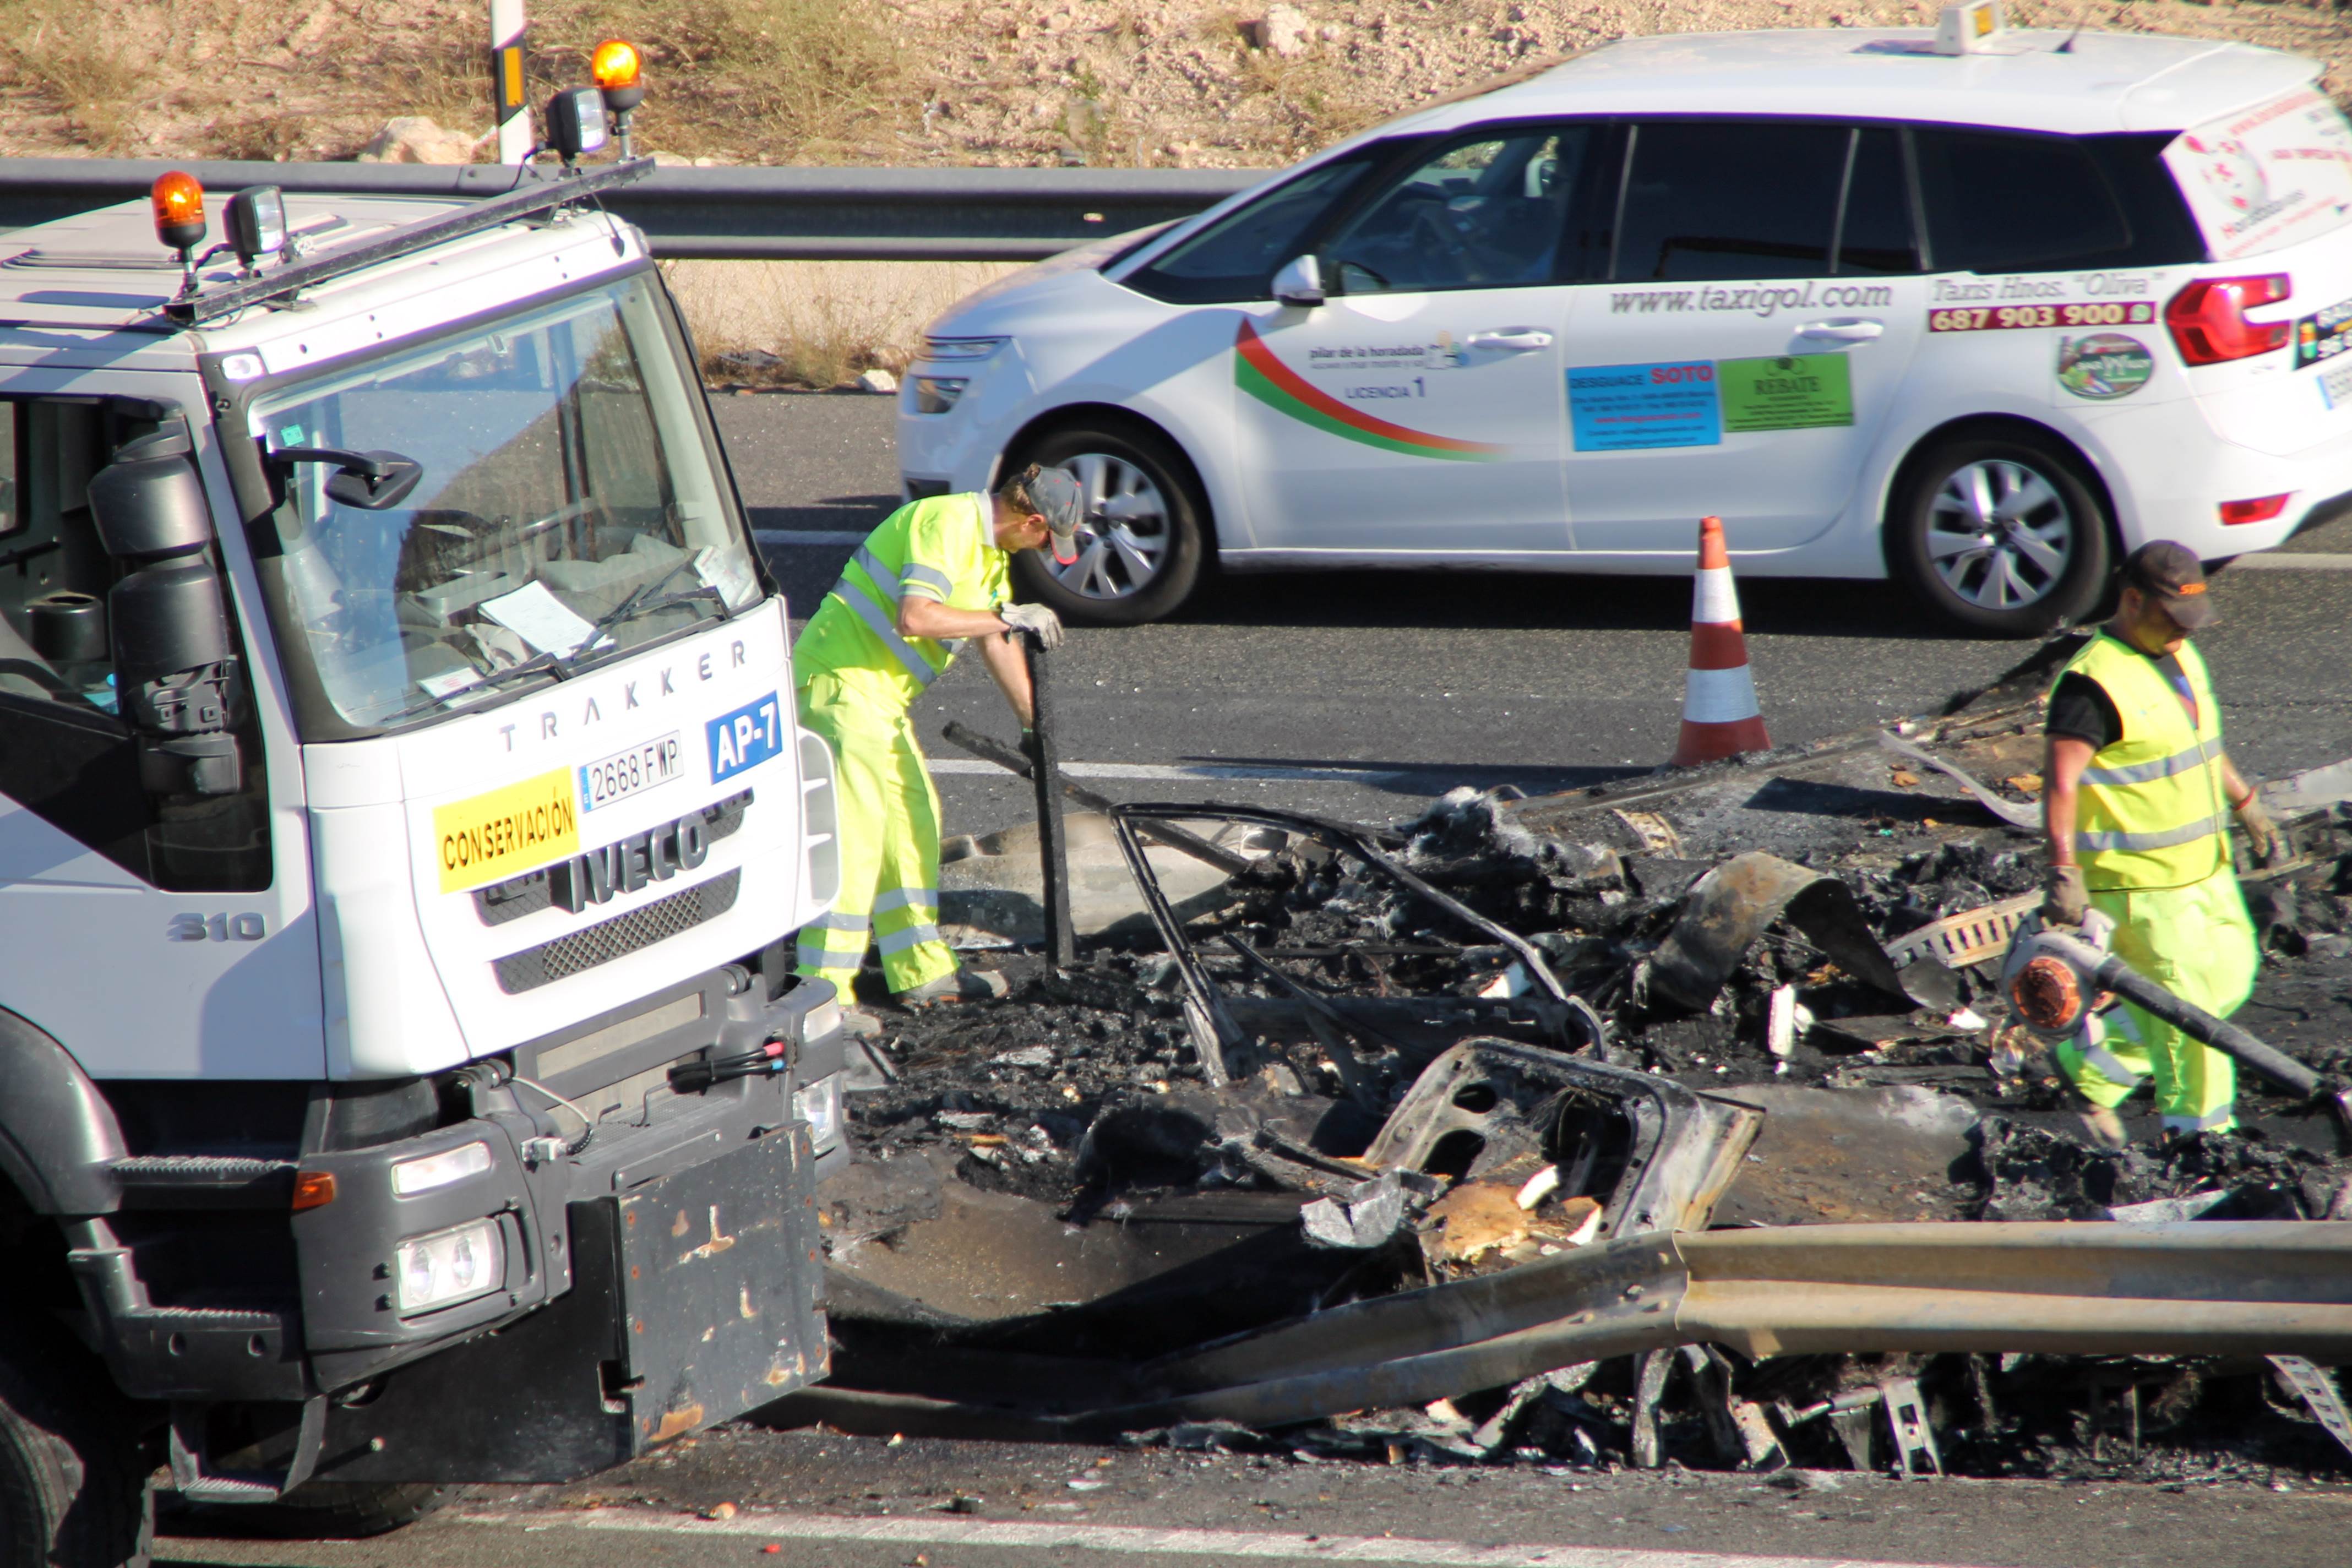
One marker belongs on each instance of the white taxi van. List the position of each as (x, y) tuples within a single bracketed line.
[(1979, 309)]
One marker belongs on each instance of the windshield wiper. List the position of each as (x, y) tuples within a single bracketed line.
[(640, 602)]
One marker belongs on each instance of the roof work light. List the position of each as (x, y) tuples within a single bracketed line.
[(618, 70), (575, 124), (256, 221)]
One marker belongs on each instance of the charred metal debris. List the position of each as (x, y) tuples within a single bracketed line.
[(1468, 1142)]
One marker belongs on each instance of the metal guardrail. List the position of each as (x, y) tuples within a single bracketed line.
[(731, 213)]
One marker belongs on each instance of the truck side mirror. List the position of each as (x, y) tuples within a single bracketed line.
[(167, 616), (1300, 281)]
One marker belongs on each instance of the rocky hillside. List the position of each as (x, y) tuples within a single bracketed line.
[(1123, 82)]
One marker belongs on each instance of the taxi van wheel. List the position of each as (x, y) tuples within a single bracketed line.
[(1141, 545), (2001, 534)]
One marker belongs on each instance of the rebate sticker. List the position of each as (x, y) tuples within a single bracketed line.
[(489, 837), (2104, 365), (1785, 391)]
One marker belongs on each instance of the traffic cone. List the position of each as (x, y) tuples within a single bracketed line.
[(1720, 714)]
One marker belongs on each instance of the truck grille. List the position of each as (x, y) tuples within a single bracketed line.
[(618, 937), (529, 893)]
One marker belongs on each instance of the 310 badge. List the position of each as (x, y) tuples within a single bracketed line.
[(2104, 365)]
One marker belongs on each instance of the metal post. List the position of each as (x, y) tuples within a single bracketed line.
[(509, 103), (1052, 843)]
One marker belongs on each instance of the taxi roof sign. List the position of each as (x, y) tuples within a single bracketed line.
[(1976, 27)]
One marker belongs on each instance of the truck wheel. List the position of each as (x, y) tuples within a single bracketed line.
[(72, 1490), (1141, 547), (1999, 534), (334, 1510)]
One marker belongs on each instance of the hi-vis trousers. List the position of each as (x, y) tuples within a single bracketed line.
[(890, 838), (2198, 942)]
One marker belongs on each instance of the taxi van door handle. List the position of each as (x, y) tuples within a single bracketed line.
[(1843, 332), (1512, 339)]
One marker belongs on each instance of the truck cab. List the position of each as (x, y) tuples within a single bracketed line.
[(402, 819)]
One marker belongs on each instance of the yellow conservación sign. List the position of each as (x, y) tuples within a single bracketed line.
[(489, 837)]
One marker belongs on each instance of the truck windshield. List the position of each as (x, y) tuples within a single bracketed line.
[(571, 508)]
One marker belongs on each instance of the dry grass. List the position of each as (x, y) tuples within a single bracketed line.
[(824, 321), (79, 61), (800, 79)]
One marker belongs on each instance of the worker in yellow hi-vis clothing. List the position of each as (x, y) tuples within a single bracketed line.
[(2136, 802), (934, 571)]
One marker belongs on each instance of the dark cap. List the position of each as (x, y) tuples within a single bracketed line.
[(2173, 576)]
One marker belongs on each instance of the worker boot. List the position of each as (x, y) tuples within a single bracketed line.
[(2100, 1122), (860, 1025), (960, 986)]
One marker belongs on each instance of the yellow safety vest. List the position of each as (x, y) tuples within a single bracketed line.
[(2152, 810), (942, 548)]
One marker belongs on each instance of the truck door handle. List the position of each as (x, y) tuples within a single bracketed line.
[(1843, 332), (1512, 339)]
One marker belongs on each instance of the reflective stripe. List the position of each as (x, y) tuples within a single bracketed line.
[(2206, 1123), (913, 936), (919, 576), (865, 610), (2188, 834), (903, 898), (836, 921), (2107, 1062), (824, 958), (884, 578), (2197, 756)]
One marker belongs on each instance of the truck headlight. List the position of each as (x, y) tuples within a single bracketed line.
[(451, 1265), (421, 1175), (819, 1105), (821, 1022), (937, 393)]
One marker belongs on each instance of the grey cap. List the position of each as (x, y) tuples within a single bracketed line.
[(1063, 504)]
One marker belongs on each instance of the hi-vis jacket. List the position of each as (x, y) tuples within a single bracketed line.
[(2153, 811), (942, 548)]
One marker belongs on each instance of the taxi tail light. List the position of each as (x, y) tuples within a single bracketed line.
[(2260, 509), (2207, 318)]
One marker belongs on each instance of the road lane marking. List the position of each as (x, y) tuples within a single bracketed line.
[(775, 537), (1180, 773), (2277, 561), (936, 1529)]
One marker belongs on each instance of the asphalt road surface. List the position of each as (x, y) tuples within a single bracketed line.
[(817, 1499), (1361, 694)]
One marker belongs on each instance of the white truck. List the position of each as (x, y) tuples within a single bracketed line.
[(403, 1081)]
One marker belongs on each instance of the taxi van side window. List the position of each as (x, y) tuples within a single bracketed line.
[(1710, 199), (2005, 202), (1486, 211), (65, 754), (1234, 259)]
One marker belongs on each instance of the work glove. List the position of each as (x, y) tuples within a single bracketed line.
[(2064, 897), (1039, 619), (2262, 833)]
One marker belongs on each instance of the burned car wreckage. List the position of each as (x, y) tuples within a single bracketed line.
[(1684, 1120)]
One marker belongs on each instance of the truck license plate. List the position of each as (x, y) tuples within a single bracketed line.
[(624, 773)]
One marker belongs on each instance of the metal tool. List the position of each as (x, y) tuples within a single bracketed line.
[(1053, 839)]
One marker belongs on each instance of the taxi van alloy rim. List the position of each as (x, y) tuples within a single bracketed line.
[(1999, 534), (1124, 538)]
